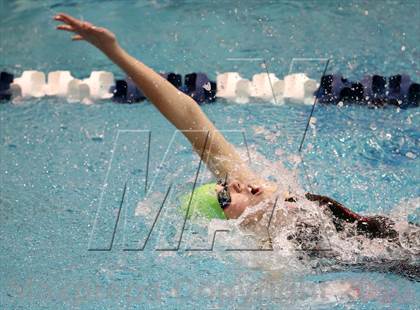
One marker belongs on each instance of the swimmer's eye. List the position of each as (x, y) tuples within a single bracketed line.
[(223, 196), (291, 199)]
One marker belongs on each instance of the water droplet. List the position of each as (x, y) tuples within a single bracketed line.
[(410, 155), (207, 86)]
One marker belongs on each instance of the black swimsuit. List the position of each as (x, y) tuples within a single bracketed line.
[(370, 226)]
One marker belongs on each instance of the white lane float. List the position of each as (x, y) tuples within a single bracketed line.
[(262, 86), (16, 93), (226, 85), (278, 90), (78, 91), (243, 91), (63, 84), (310, 87), (298, 88), (58, 83), (30, 84), (99, 84), (266, 87)]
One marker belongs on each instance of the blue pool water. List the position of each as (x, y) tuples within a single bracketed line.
[(55, 157)]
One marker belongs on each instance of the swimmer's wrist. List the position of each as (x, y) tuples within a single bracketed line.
[(113, 50)]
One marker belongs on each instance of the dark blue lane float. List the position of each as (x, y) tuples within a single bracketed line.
[(199, 87), (5, 80), (125, 91), (196, 85), (173, 78), (397, 90), (373, 90)]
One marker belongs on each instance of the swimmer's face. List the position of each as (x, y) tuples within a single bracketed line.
[(242, 196)]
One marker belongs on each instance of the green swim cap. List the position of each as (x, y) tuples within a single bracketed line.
[(204, 203)]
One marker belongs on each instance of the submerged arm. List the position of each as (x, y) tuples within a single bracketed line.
[(181, 110)]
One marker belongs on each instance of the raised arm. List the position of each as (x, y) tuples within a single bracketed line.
[(181, 110)]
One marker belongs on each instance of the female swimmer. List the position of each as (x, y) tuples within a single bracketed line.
[(241, 188)]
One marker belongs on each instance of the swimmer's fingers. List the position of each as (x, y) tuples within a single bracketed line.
[(66, 28), (77, 38), (72, 24), (67, 19), (100, 37)]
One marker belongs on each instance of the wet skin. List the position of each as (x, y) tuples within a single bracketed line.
[(243, 196)]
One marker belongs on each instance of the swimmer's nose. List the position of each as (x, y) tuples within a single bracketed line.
[(237, 186)]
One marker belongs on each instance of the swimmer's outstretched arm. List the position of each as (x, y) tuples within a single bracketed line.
[(181, 110)]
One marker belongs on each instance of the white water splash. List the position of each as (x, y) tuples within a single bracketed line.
[(303, 236), (298, 237)]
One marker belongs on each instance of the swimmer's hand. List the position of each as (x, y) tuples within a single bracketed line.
[(100, 37)]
